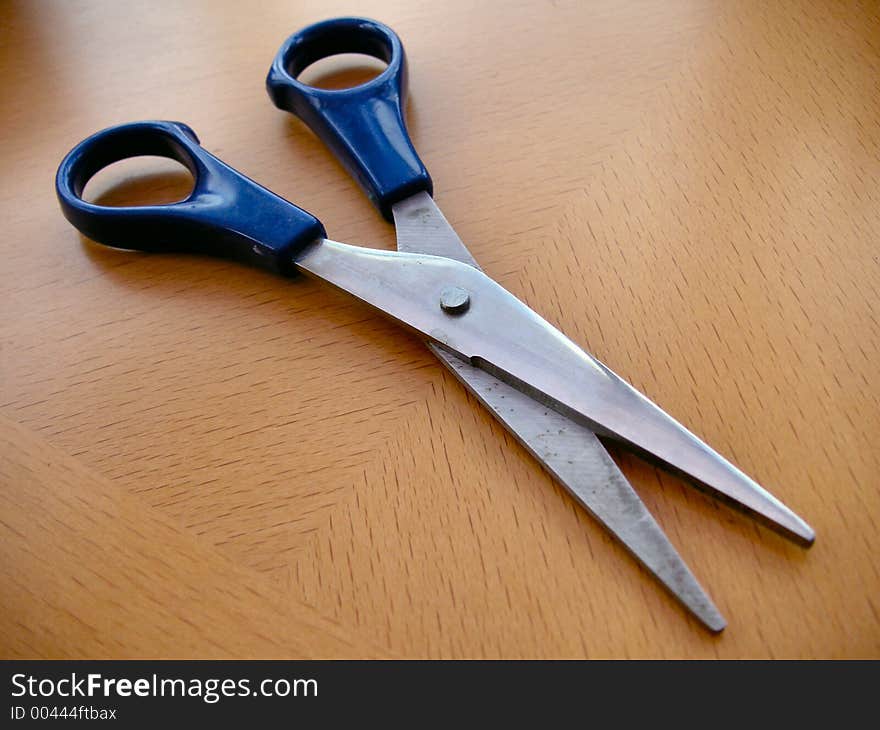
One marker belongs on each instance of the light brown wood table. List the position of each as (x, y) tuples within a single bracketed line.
[(198, 459)]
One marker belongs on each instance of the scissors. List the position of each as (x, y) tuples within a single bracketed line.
[(550, 394)]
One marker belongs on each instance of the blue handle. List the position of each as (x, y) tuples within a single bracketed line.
[(363, 125), (226, 214)]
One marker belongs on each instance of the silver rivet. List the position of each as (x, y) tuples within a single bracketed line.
[(454, 300)]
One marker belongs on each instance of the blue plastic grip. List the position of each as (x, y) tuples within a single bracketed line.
[(363, 125), (226, 214)]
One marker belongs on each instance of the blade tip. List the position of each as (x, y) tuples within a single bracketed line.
[(803, 533), (705, 611)]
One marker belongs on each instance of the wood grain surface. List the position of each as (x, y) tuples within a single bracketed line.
[(199, 459)]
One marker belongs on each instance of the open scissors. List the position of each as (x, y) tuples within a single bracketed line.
[(549, 393)]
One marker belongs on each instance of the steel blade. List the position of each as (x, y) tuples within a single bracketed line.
[(579, 462), (569, 451), (503, 336), (422, 228)]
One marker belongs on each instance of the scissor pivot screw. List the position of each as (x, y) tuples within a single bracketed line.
[(454, 300)]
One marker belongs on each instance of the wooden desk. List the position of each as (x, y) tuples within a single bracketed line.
[(200, 460)]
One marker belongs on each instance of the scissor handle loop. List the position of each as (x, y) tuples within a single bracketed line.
[(226, 214), (364, 125)]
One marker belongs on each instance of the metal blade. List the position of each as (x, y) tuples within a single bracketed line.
[(567, 450), (422, 228), (580, 463), (498, 333)]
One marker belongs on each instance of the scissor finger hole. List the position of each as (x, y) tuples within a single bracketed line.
[(146, 180), (342, 71)]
